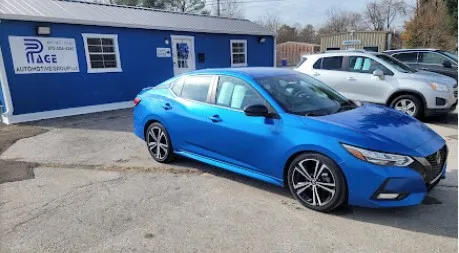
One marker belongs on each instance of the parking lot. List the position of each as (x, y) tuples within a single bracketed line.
[(87, 184)]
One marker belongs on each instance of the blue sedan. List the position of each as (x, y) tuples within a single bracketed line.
[(289, 129)]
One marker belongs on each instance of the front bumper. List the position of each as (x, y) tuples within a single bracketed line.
[(408, 185), (448, 103)]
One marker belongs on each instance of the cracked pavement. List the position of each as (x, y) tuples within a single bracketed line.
[(95, 189)]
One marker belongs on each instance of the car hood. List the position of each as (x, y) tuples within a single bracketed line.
[(429, 77), (385, 127)]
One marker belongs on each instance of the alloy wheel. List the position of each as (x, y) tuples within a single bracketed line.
[(406, 106), (157, 143), (313, 182)]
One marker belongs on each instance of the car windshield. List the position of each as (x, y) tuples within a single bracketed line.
[(398, 65), (303, 95), (450, 55)]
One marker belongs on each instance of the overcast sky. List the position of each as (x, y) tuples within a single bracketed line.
[(306, 11)]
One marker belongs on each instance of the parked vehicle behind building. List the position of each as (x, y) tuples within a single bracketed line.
[(382, 79), (434, 60)]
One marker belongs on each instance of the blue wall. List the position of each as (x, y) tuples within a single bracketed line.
[(141, 68)]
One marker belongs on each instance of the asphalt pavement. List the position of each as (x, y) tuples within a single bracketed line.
[(95, 188)]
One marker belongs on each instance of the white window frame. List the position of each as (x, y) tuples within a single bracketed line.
[(245, 53), (114, 37)]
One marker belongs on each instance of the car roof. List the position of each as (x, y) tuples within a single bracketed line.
[(254, 72), (410, 50), (342, 53)]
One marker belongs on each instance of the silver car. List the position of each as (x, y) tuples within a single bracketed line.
[(381, 79)]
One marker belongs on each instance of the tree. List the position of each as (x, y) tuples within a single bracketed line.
[(393, 9), (192, 6), (381, 14), (342, 21), (270, 20), (229, 8), (157, 4), (308, 34), (429, 27), (374, 16), (451, 6), (286, 33), (125, 2)]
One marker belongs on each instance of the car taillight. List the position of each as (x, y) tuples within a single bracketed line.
[(137, 101)]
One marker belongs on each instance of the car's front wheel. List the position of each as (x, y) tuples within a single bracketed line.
[(317, 182), (159, 144), (408, 104)]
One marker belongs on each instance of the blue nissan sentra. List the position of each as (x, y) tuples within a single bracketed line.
[(289, 129)]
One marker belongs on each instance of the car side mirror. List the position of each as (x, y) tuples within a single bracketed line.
[(447, 64), (378, 73), (257, 110)]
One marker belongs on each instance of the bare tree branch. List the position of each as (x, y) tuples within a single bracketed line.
[(269, 20)]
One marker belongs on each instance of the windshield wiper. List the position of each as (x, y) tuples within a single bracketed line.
[(346, 106)]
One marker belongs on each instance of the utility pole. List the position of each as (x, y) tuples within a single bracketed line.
[(218, 7)]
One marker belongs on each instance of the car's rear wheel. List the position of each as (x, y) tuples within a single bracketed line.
[(317, 182), (159, 144), (408, 104)]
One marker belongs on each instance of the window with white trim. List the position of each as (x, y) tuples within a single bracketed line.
[(102, 53), (238, 53)]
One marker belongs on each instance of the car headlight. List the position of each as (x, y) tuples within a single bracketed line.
[(439, 87), (379, 158)]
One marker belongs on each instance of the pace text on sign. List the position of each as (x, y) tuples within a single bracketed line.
[(33, 55)]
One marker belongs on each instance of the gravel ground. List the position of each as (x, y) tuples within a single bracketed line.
[(11, 171)]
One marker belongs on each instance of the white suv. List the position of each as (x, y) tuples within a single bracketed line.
[(382, 79)]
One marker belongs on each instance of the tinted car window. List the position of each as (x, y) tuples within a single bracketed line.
[(450, 55), (407, 57), (365, 65), (303, 95), (235, 93), (196, 88), (302, 60), (332, 63), (393, 62), (178, 86), (431, 58), (317, 64)]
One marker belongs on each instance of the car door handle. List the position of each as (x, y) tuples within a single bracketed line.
[(316, 74), (167, 106), (351, 78), (215, 118)]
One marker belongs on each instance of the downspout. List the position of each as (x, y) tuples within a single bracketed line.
[(5, 87)]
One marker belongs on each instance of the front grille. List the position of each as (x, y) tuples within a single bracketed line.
[(436, 167), (429, 173), (455, 93)]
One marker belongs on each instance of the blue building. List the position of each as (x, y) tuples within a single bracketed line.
[(61, 58)]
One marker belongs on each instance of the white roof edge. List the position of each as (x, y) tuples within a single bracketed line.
[(124, 25)]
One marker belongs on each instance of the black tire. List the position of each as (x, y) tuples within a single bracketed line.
[(166, 153), (419, 113), (333, 175)]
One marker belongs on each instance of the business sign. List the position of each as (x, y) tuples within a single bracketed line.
[(43, 55), (163, 52), (351, 42)]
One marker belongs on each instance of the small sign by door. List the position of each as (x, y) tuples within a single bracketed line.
[(163, 52), (183, 54)]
